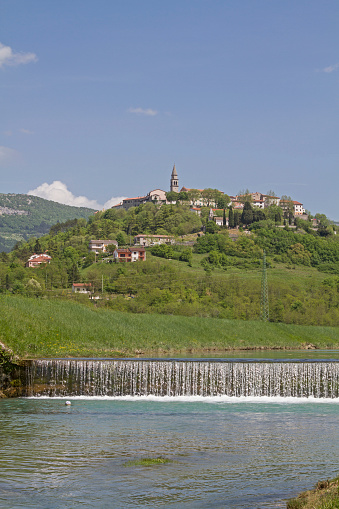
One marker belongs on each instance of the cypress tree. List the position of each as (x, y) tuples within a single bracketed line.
[(247, 214), (231, 218), (237, 216)]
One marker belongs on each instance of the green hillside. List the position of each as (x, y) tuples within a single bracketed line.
[(23, 216), (216, 275)]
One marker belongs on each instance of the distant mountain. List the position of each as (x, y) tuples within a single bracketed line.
[(23, 216)]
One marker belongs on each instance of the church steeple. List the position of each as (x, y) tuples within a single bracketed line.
[(174, 181)]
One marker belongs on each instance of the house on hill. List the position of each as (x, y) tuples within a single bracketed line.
[(100, 246), (130, 254), (37, 259), (155, 196), (298, 208), (151, 240), (219, 221), (81, 287)]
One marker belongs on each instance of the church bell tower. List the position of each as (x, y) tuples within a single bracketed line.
[(174, 181)]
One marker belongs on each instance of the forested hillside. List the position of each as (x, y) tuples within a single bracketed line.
[(216, 274), (23, 216)]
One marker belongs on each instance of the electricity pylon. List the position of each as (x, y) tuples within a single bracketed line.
[(264, 307)]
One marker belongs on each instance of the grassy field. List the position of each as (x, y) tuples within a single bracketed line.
[(35, 328), (324, 496)]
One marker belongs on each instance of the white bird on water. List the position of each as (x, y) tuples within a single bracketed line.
[(68, 403)]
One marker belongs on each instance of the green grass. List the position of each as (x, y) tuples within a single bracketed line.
[(324, 496), (35, 328)]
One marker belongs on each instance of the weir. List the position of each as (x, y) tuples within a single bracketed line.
[(318, 379)]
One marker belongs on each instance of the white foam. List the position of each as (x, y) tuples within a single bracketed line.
[(196, 399)]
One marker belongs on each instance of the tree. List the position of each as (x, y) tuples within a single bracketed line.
[(286, 203), (244, 196), (231, 218), (182, 196), (211, 227), (172, 196), (237, 218), (121, 239), (270, 198), (37, 247), (207, 195), (224, 218), (194, 195), (223, 201), (247, 214), (111, 248), (33, 287)]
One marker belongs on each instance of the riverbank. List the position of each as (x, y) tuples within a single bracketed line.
[(36, 328), (324, 496)]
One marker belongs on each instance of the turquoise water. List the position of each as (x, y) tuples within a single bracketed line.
[(225, 452)]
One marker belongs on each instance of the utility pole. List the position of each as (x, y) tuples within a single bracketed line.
[(264, 306)]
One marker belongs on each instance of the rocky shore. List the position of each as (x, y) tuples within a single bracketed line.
[(11, 385), (324, 496)]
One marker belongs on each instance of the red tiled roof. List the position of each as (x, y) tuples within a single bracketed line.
[(40, 259), (136, 198)]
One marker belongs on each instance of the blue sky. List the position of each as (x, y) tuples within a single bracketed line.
[(100, 98)]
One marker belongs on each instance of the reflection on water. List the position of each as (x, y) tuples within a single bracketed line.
[(239, 454)]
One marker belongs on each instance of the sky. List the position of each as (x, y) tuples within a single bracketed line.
[(99, 98)]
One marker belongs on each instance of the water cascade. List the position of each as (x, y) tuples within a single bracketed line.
[(319, 379)]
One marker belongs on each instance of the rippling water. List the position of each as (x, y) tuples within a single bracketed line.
[(224, 452)]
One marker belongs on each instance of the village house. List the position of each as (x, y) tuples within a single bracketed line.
[(298, 208), (258, 199), (151, 240), (196, 210), (155, 196), (199, 201), (130, 254), (219, 221), (37, 259), (81, 287), (100, 246)]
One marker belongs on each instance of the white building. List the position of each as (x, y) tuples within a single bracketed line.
[(100, 246), (81, 287), (151, 240)]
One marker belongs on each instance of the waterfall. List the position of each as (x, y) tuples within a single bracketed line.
[(319, 379)]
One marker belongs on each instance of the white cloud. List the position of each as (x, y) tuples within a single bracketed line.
[(113, 201), (7, 155), (8, 57), (140, 111), (331, 68), (58, 191), (26, 131)]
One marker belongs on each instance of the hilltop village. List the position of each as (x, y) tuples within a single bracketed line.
[(212, 198), (198, 199)]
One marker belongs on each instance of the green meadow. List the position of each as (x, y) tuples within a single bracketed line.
[(35, 328)]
